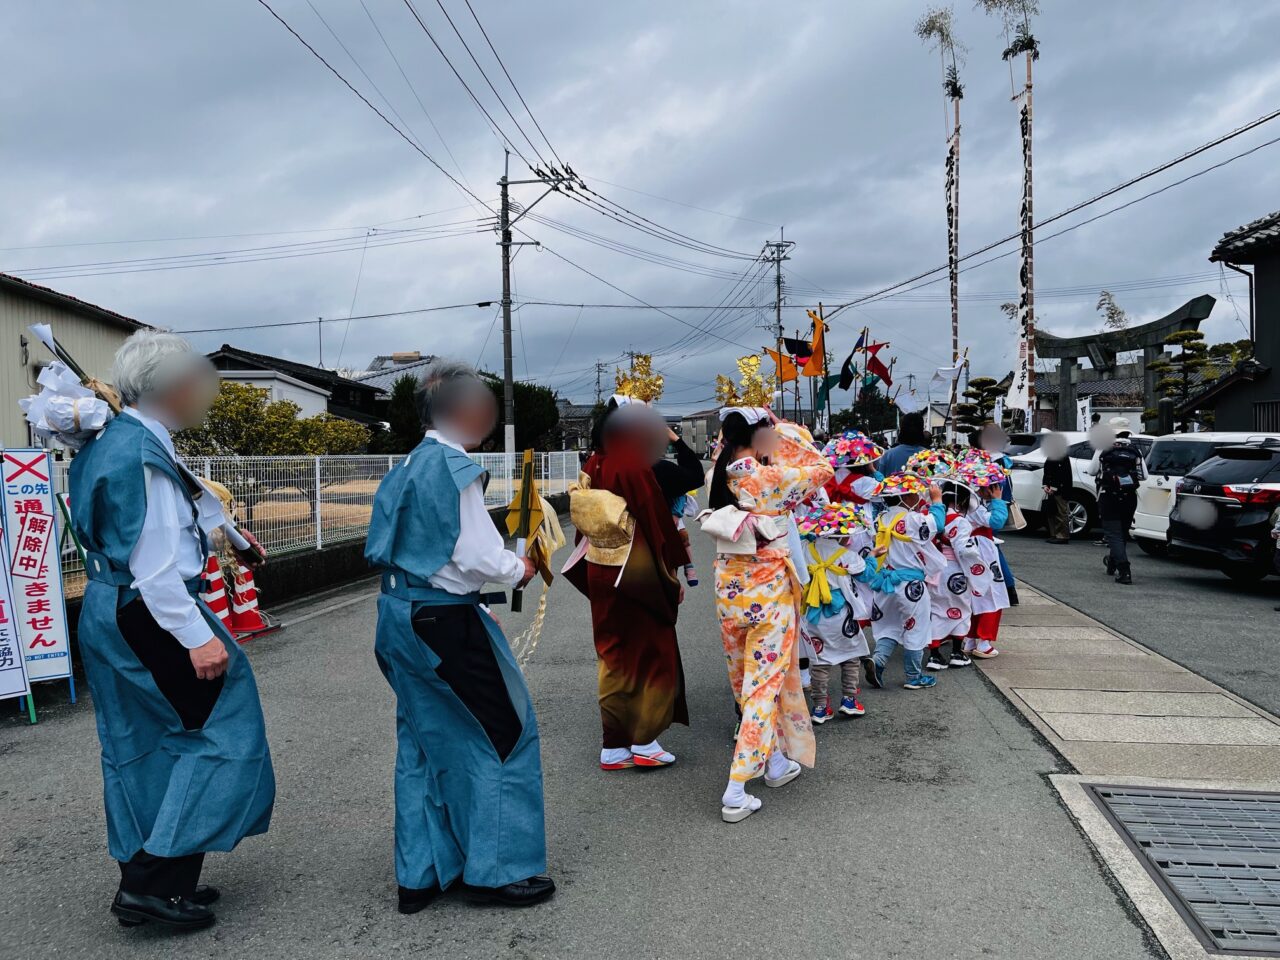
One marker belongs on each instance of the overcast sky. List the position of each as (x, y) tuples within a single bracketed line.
[(131, 125)]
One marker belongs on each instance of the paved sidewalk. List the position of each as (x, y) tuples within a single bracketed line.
[(1122, 715)]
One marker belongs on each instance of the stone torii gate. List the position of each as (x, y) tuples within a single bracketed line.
[(1101, 349)]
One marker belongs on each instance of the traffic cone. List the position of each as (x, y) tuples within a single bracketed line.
[(215, 592), (245, 617)]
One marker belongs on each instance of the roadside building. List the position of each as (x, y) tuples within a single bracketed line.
[(1248, 398), (311, 400), (91, 334), (348, 399), (575, 423)]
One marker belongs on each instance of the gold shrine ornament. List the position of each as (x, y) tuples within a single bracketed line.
[(640, 382), (752, 389)]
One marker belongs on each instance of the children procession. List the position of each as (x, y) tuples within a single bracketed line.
[(826, 571)]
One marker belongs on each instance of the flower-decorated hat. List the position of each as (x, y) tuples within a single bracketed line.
[(934, 464), (756, 391), (979, 472), (904, 484), (851, 449), (832, 520)]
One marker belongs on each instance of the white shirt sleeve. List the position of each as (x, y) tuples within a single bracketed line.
[(1094, 464), (479, 551), (235, 536), (154, 565)]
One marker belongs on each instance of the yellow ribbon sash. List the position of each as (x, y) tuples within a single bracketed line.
[(885, 534), (818, 592)]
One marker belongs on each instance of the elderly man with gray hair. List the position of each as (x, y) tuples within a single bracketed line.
[(468, 780), (185, 764)]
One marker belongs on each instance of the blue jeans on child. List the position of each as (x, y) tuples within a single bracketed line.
[(912, 660)]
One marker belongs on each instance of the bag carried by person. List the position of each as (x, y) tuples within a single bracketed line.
[(1120, 469)]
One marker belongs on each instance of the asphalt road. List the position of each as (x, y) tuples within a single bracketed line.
[(1195, 616), (927, 828)]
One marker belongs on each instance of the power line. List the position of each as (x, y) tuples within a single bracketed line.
[(367, 316), (1105, 213), (506, 73), (498, 131), (467, 47), (369, 103), (1265, 118)]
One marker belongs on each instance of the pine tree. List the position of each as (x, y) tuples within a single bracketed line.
[(975, 411), (1178, 371)]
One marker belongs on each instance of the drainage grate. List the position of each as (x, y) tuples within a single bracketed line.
[(1215, 854)]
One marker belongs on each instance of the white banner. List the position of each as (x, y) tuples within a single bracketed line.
[(909, 403), (1084, 414), (13, 667), (31, 559)]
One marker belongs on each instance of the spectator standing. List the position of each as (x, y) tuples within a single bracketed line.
[(1057, 481), (1119, 470), (912, 438)]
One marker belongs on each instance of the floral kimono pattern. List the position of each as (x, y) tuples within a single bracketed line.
[(758, 601)]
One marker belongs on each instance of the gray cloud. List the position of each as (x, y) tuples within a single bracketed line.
[(149, 119)]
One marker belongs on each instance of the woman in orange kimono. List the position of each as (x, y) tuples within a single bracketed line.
[(762, 473)]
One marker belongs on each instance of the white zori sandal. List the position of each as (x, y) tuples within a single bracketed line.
[(738, 814), (793, 771)]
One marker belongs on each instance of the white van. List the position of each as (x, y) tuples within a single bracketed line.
[(1171, 458)]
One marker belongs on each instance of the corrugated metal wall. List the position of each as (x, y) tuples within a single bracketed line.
[(92, 342)]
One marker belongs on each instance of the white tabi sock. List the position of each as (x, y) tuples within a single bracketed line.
[(615, 755), (735, 795), (777, 765)]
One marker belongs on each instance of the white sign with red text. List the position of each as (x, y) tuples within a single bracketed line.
[(32, 562), (13, 666)]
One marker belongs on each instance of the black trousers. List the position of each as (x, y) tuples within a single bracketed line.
[(1115, 512), (455, 634), (169, 664), (165, 877)]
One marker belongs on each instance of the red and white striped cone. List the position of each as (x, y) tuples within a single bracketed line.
[(215, 592), (245, 617)]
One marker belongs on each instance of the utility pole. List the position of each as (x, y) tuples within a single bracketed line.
[(1028, 243), (776, 252), (505, 223), (599, 375)]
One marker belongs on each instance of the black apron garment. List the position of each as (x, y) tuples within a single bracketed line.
[(169, 664), (455, 634)]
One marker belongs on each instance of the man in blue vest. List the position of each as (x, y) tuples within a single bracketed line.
[(468, 781), (185, 764)]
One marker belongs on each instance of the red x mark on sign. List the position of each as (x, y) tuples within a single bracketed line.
[(28, 466)]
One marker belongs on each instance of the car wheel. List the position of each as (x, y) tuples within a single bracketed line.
[(1079, 513), (1246, 573), (1152, 548)]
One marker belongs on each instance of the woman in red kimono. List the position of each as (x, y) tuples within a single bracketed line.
[(629, 575)]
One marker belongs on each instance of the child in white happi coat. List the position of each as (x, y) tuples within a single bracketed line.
[(979, 500), (835, 610), (966, 573), (907, 529)]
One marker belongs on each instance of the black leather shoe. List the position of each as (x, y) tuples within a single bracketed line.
[(1125, 577), (523, 893), (203, 896), (132, 909), (412, 900)]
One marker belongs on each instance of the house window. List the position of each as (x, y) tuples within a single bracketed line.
[(1266, 416)]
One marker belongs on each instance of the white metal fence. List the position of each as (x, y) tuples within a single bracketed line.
[(306, 503)]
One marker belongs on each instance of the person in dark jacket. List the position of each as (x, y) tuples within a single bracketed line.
[(1057, 482)]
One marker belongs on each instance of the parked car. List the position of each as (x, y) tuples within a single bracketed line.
[(1027, 478), (1171, 458), (1225, 508)]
